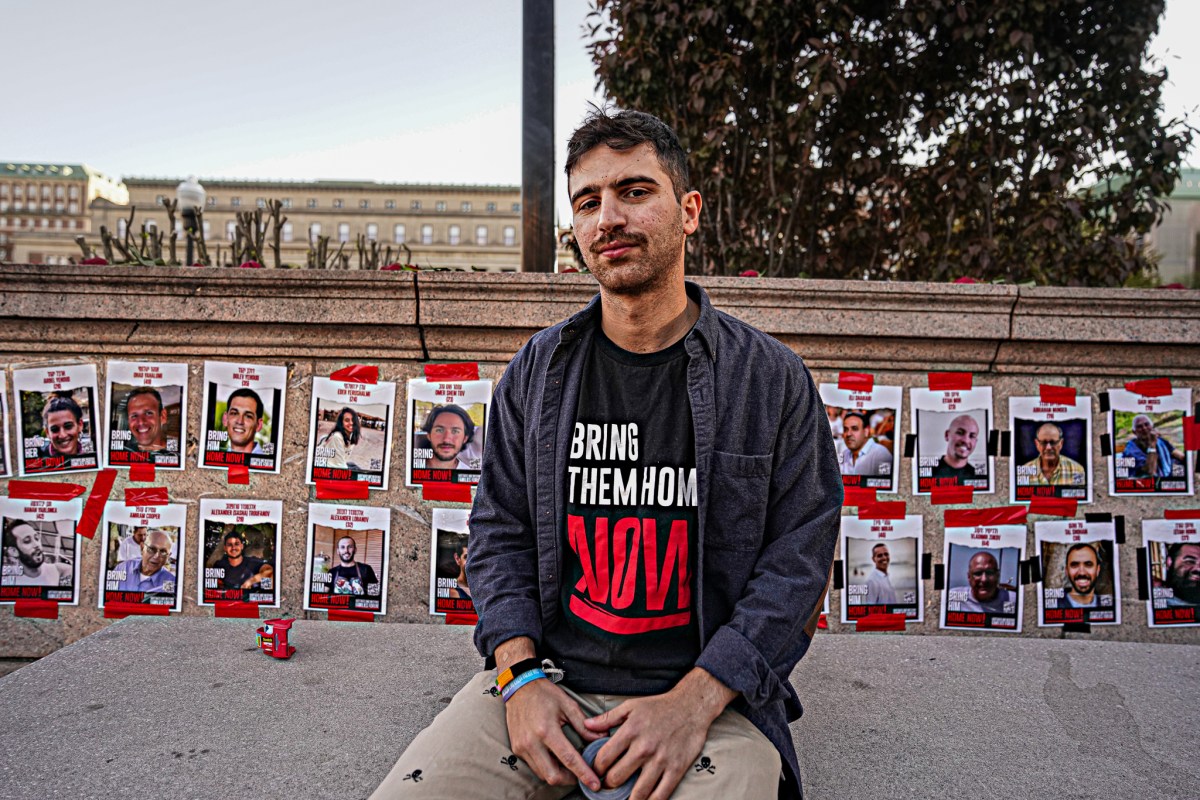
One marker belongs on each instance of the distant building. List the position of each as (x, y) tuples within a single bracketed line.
[(43, 207), (1177, 237), (442, 225)]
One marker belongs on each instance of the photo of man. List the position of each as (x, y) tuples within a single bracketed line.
[(881, 559), (57, 427), (1172, 552), (239, 543), (5, 462), (146, 413), (141, 554), (1051, 449), (446, 423), (1146, 436), (1081, 582), (39, 552), (238, 570), (347, 558), (983, 590), (243, 415), (148, 573), (863, 423), (1182, 575), (952, 431), (450, 590)]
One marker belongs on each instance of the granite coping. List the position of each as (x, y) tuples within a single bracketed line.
[(190, 707)]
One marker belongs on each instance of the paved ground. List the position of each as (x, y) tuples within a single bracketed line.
[(188, 707)]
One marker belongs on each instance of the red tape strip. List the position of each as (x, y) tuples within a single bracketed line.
[(856, 381), (344, 615), (149, 496), (37, 490), (857, 495), (93, 509), (1056, 395), (239, 474), (36, 608), (1181, 513), (123, 610), (879, 622), (141, 472), (950, 381), (975, 517), (1151, 387), (1191, 434), (236, 609), (892, 509), (446, 492), (1054, 506), (356, 373), (342, 490), (951, 495), (462, 619), (466, 371)]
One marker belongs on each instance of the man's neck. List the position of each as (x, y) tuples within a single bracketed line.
[(648, 322), (233, 562), (32, 572), (953, 461), (143, 570), (347, 564), (247, 448), (437, 463), (1049, 467), (1082, 599)]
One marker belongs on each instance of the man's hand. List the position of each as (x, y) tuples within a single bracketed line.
[(536, 715), (660, 734)]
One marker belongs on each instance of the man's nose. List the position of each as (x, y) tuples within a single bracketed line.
[(612, 215)]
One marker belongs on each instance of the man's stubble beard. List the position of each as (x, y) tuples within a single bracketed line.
[(638, 276)]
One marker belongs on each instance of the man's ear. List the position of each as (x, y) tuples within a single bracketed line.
[(691, 205)]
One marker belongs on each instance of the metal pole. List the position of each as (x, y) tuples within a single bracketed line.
[(189, 225), (537, 137)]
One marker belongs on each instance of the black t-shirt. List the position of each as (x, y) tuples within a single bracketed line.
[(355, 579), (944, 470), (628, 535), (236, 576)]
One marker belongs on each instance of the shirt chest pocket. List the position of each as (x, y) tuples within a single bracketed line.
[(737, 501)]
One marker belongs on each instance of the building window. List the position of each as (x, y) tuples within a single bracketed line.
[(364, 203), (440, 205), (372, 232), (207, 229), (466, 206), (230, 230), (416, 205), (481, 235), (73, 193), (151, 227), (398, 233), (3, 206), (516, 207), (73, 207), (18, 205), (312, 202), (235, 202), (426, 234), (4, 190), (343, 231), (58, 192), (58, 207), (455, 234), (260, 202), (45, 191), (211, 201), (338, 204), (510, 236), (286, 232), (389, 204), (158, 199), (179, 229), (287, 202), (491, 207), (314, 232), (122, 225)]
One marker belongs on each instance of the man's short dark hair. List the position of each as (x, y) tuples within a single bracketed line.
[(10, 525), (231, 535), (150, 390), (61, 402), (877, 545), (1095, 547), (1174, 548), (450, 408), (860, 415), (258, 403), (625, 130)]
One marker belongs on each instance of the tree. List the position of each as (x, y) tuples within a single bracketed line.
[(907, 139)]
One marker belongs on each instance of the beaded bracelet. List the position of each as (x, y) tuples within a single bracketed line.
[(518, 682)]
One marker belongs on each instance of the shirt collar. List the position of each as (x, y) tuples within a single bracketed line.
[(705, 329)]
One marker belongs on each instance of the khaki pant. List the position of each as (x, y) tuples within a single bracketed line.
[(464, 755)]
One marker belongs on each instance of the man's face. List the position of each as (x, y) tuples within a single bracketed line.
[(1183, 572), (983, 575), (1142, 429), (447, 436), (1083, 568), (346, 550), (460, 558), (961, 437), (882, 558), (147, 421), (63, 429), (234, 547), (1049, 444), (854, 433), (156, 550), (29, 546), (139, 535), (242, 422), (629, 226)]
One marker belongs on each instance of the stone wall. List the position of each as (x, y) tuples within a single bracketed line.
[(314, 323)]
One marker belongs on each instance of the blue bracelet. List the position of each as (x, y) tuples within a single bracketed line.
[(516, 683)]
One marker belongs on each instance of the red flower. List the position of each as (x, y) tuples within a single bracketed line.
[(748, 273), (95, 260), (250, 265), (965, 279), (565, 270), (391, 267)]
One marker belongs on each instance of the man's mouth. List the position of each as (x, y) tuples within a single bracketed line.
[(616, 248)]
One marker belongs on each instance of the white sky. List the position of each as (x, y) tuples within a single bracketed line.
[(409, 91)]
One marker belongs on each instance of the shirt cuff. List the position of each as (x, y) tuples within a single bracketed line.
[(506, 620), (734, 661)]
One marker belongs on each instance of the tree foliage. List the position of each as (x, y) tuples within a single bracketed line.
[(907, 139)]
